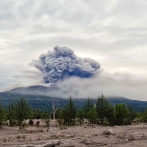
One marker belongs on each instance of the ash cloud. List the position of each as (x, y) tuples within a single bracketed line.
[(62, 63)]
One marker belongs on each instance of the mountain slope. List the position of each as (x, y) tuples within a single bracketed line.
[(40, 97), (33, 90), (45, 102)]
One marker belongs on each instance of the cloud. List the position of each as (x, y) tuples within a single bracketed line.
[(62, 63), (111, 85), (112, 33)]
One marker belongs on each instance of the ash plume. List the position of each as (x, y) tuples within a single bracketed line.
[(62, 63)]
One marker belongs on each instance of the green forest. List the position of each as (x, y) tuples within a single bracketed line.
[(100, 112)]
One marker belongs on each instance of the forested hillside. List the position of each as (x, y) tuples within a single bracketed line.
[(45, 102)]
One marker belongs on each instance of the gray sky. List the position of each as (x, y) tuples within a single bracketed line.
[(112, 32)]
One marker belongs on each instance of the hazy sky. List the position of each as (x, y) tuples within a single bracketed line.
[(112, 32)]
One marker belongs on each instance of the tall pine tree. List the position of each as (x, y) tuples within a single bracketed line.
[(104, 110), (22, 111), (87, 107), (69, 113)]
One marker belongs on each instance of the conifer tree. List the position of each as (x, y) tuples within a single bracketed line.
[(69, 113), (22, 111), (80, 116), (87, 107), (11, 114), (92, 116), (2, 116), (104, 110), (121, 114), (144, 117)]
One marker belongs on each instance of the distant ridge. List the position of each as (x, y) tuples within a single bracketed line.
[(39, 96), (33, 90)]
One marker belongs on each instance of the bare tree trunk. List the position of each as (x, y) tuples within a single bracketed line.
[(54, 114), (55, 108)]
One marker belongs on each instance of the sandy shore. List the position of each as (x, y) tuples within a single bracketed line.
[(76, 136)]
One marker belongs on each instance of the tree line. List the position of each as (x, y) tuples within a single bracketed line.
[(102, 113)]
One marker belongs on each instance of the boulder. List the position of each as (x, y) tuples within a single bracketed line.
[(130, 137), (121, 135), (124, 135), (108, 132), (87, 141)]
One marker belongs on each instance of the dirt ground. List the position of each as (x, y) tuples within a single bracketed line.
[(76, 136)]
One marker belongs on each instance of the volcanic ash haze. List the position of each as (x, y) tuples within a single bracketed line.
[(62, 63)]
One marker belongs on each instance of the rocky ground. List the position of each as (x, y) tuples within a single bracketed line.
[(76, 136)]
